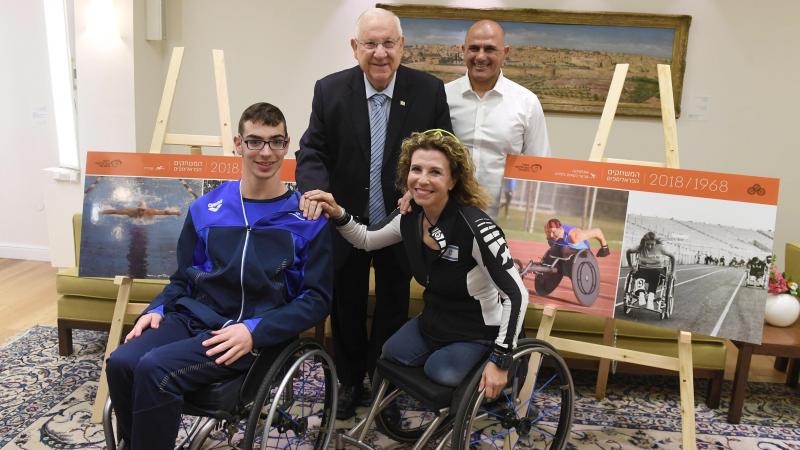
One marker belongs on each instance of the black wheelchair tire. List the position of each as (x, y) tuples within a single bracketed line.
[(467, 408), (293, 352)]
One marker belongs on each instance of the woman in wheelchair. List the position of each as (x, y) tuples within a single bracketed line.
[(243, 283), (650, 264), (474, 297)]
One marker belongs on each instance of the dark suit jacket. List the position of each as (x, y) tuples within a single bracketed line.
[(335, 149)]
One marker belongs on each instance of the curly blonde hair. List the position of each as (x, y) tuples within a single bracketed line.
[(466, 190)]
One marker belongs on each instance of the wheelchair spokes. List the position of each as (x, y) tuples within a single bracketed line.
[(294, 411), (291, 410), (540, 420)]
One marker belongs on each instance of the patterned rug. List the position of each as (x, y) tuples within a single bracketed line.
[(45, 402)]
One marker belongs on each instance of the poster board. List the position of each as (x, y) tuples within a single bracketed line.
[(135, 205), (720, 215)]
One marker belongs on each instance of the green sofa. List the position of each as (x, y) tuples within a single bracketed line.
[(792, 257), (88, 303)]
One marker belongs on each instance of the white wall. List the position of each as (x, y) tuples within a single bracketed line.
[(27, 130), (740, 54)]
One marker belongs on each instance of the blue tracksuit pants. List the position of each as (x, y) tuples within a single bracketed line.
[(148, 376)]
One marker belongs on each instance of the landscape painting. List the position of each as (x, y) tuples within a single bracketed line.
[(566, 58)]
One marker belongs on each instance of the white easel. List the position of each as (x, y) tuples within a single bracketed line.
[(606, 352), (195, 142)]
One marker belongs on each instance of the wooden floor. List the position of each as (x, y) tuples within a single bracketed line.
[(28, 297)]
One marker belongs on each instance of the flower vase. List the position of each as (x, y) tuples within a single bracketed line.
[(781, 310)]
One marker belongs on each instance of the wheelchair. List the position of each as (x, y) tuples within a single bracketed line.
[(756, 276), (286, 399), (637, 291), (534, 410), (580, 266)]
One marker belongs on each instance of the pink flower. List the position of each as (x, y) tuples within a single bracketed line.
[(777, 284)]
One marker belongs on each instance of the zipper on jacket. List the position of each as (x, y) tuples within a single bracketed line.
[(244, 252)]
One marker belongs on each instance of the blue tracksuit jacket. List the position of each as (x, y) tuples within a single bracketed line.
[(273, 273)]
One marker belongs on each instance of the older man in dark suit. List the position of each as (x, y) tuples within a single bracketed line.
[(359, 117)]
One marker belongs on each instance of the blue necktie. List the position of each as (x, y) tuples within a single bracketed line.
[(377, 130)]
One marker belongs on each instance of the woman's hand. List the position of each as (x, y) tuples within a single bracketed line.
[(320, 202), (493, 381)]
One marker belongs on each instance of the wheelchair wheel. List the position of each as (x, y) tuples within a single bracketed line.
[(670, 297), (406, 419), (540, 419), (626, 302), (296, 404), (585, 276)]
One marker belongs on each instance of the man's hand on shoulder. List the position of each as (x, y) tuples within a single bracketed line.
[(404, 204), (233, 342)]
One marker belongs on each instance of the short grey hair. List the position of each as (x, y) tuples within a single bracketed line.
[(372, 12)]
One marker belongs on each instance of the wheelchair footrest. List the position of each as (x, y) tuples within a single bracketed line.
[(414, 381)]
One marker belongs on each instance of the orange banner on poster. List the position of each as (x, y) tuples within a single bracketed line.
[(163, 165), (693, 183)]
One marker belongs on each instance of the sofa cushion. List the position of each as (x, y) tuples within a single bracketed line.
[(69, 283), (86, 309)]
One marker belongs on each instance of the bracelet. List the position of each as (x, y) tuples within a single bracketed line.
[(342, 221)]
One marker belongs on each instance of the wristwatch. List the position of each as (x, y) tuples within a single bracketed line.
[(501, 360)]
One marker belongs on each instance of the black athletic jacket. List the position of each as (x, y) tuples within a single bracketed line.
[(472, 289)]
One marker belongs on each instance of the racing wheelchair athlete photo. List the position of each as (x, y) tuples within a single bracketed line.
[(580, 267), (639, 294)]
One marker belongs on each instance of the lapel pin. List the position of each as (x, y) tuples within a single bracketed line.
[(402, 103)]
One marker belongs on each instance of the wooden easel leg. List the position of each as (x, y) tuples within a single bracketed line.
[(686, 374), (223, 104), (605, 364), (545, 327), (114, 335), (160, 130)]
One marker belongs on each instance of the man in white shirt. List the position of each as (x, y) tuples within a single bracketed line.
[(492, 115)]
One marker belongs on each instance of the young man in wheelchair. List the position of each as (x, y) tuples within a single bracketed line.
[(650, 265), (252, 274), (564, 240)]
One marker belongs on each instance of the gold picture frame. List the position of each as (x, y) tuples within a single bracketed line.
[(567, 58)]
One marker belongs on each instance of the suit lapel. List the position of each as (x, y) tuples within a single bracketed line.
[(359, 112), (401, 101)]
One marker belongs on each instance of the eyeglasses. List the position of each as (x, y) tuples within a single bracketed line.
[(387, 44), (258, 144)]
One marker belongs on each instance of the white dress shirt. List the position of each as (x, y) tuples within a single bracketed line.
[(507, 120)]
